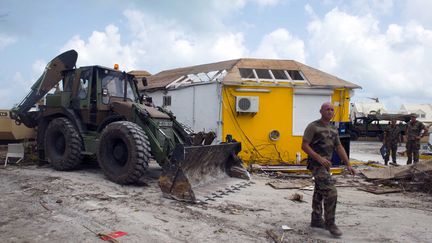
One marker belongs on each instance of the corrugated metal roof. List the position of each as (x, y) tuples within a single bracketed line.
[(162, 79), (314, 76)]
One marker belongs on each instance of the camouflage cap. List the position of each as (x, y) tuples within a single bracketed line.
[(413, 115)]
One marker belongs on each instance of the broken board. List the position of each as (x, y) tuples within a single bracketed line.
[(383, 173), (379, 190), (295, 169), (289, 184)]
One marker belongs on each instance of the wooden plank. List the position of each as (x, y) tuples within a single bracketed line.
[(403, 171), (383, 173), (288, 184), (296, 169), (379, 190)]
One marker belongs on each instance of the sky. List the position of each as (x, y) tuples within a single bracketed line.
[(384, 46)]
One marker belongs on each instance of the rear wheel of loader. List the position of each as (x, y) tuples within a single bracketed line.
[(63, 144), (124, 152)]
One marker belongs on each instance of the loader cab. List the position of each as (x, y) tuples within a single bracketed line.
[(95, 88), (113, 86)]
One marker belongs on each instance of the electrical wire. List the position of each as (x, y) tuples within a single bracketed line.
[(280, 159), (238, 125), (255, 148)]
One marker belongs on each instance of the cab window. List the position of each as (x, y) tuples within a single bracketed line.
[(113, 86), (84, 84)]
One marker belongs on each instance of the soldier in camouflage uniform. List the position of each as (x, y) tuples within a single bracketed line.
[(415, 131), (390, 141), (320, 139)]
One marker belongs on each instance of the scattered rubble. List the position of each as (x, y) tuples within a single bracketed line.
[(414, 177), (47, 205), (296, 197)]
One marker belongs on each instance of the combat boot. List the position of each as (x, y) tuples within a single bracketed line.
[(317, 222), (334, 230)]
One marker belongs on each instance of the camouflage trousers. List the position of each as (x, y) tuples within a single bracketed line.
[(412, 149), (391, 149), (325, 192)]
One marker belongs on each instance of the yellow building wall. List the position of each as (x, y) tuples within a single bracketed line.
[(341, 102), (275, 113)]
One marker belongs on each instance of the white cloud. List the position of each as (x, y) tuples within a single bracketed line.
[(156, 44), (394, 34), (6, 41), (387, 63), (310, 11), (267, 2), (375, 7), (228, 46), (38, 66), (380, 6), (159, 43), (18, 86), (234, 5), (281, 44), (19, 80), (419, 10), (102, 48), (228, 5), (329, 61)]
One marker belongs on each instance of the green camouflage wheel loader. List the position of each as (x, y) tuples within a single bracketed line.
[(98, 110)]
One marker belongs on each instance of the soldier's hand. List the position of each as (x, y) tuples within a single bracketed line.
[(350, 170), (325, 162)]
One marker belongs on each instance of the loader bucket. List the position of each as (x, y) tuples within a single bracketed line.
[(195, 166)]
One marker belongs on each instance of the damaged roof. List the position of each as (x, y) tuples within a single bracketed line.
[(228, 72), (140, 73)]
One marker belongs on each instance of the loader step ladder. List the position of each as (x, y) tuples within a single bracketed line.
[(15, 150)]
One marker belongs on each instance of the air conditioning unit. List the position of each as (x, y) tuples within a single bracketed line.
[(247, 104)]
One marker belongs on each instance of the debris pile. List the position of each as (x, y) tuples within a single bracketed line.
[(414, 177), (295, 169)]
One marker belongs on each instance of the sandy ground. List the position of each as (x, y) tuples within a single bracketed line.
[(39, 204)]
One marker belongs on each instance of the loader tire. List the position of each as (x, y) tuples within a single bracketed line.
[(63, 144), (124, 152)]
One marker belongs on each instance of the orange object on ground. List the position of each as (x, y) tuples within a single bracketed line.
[(113, 235)]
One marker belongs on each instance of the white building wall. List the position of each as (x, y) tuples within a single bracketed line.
[(423, 110), (196, 106), (182, 102), (157, 97)]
